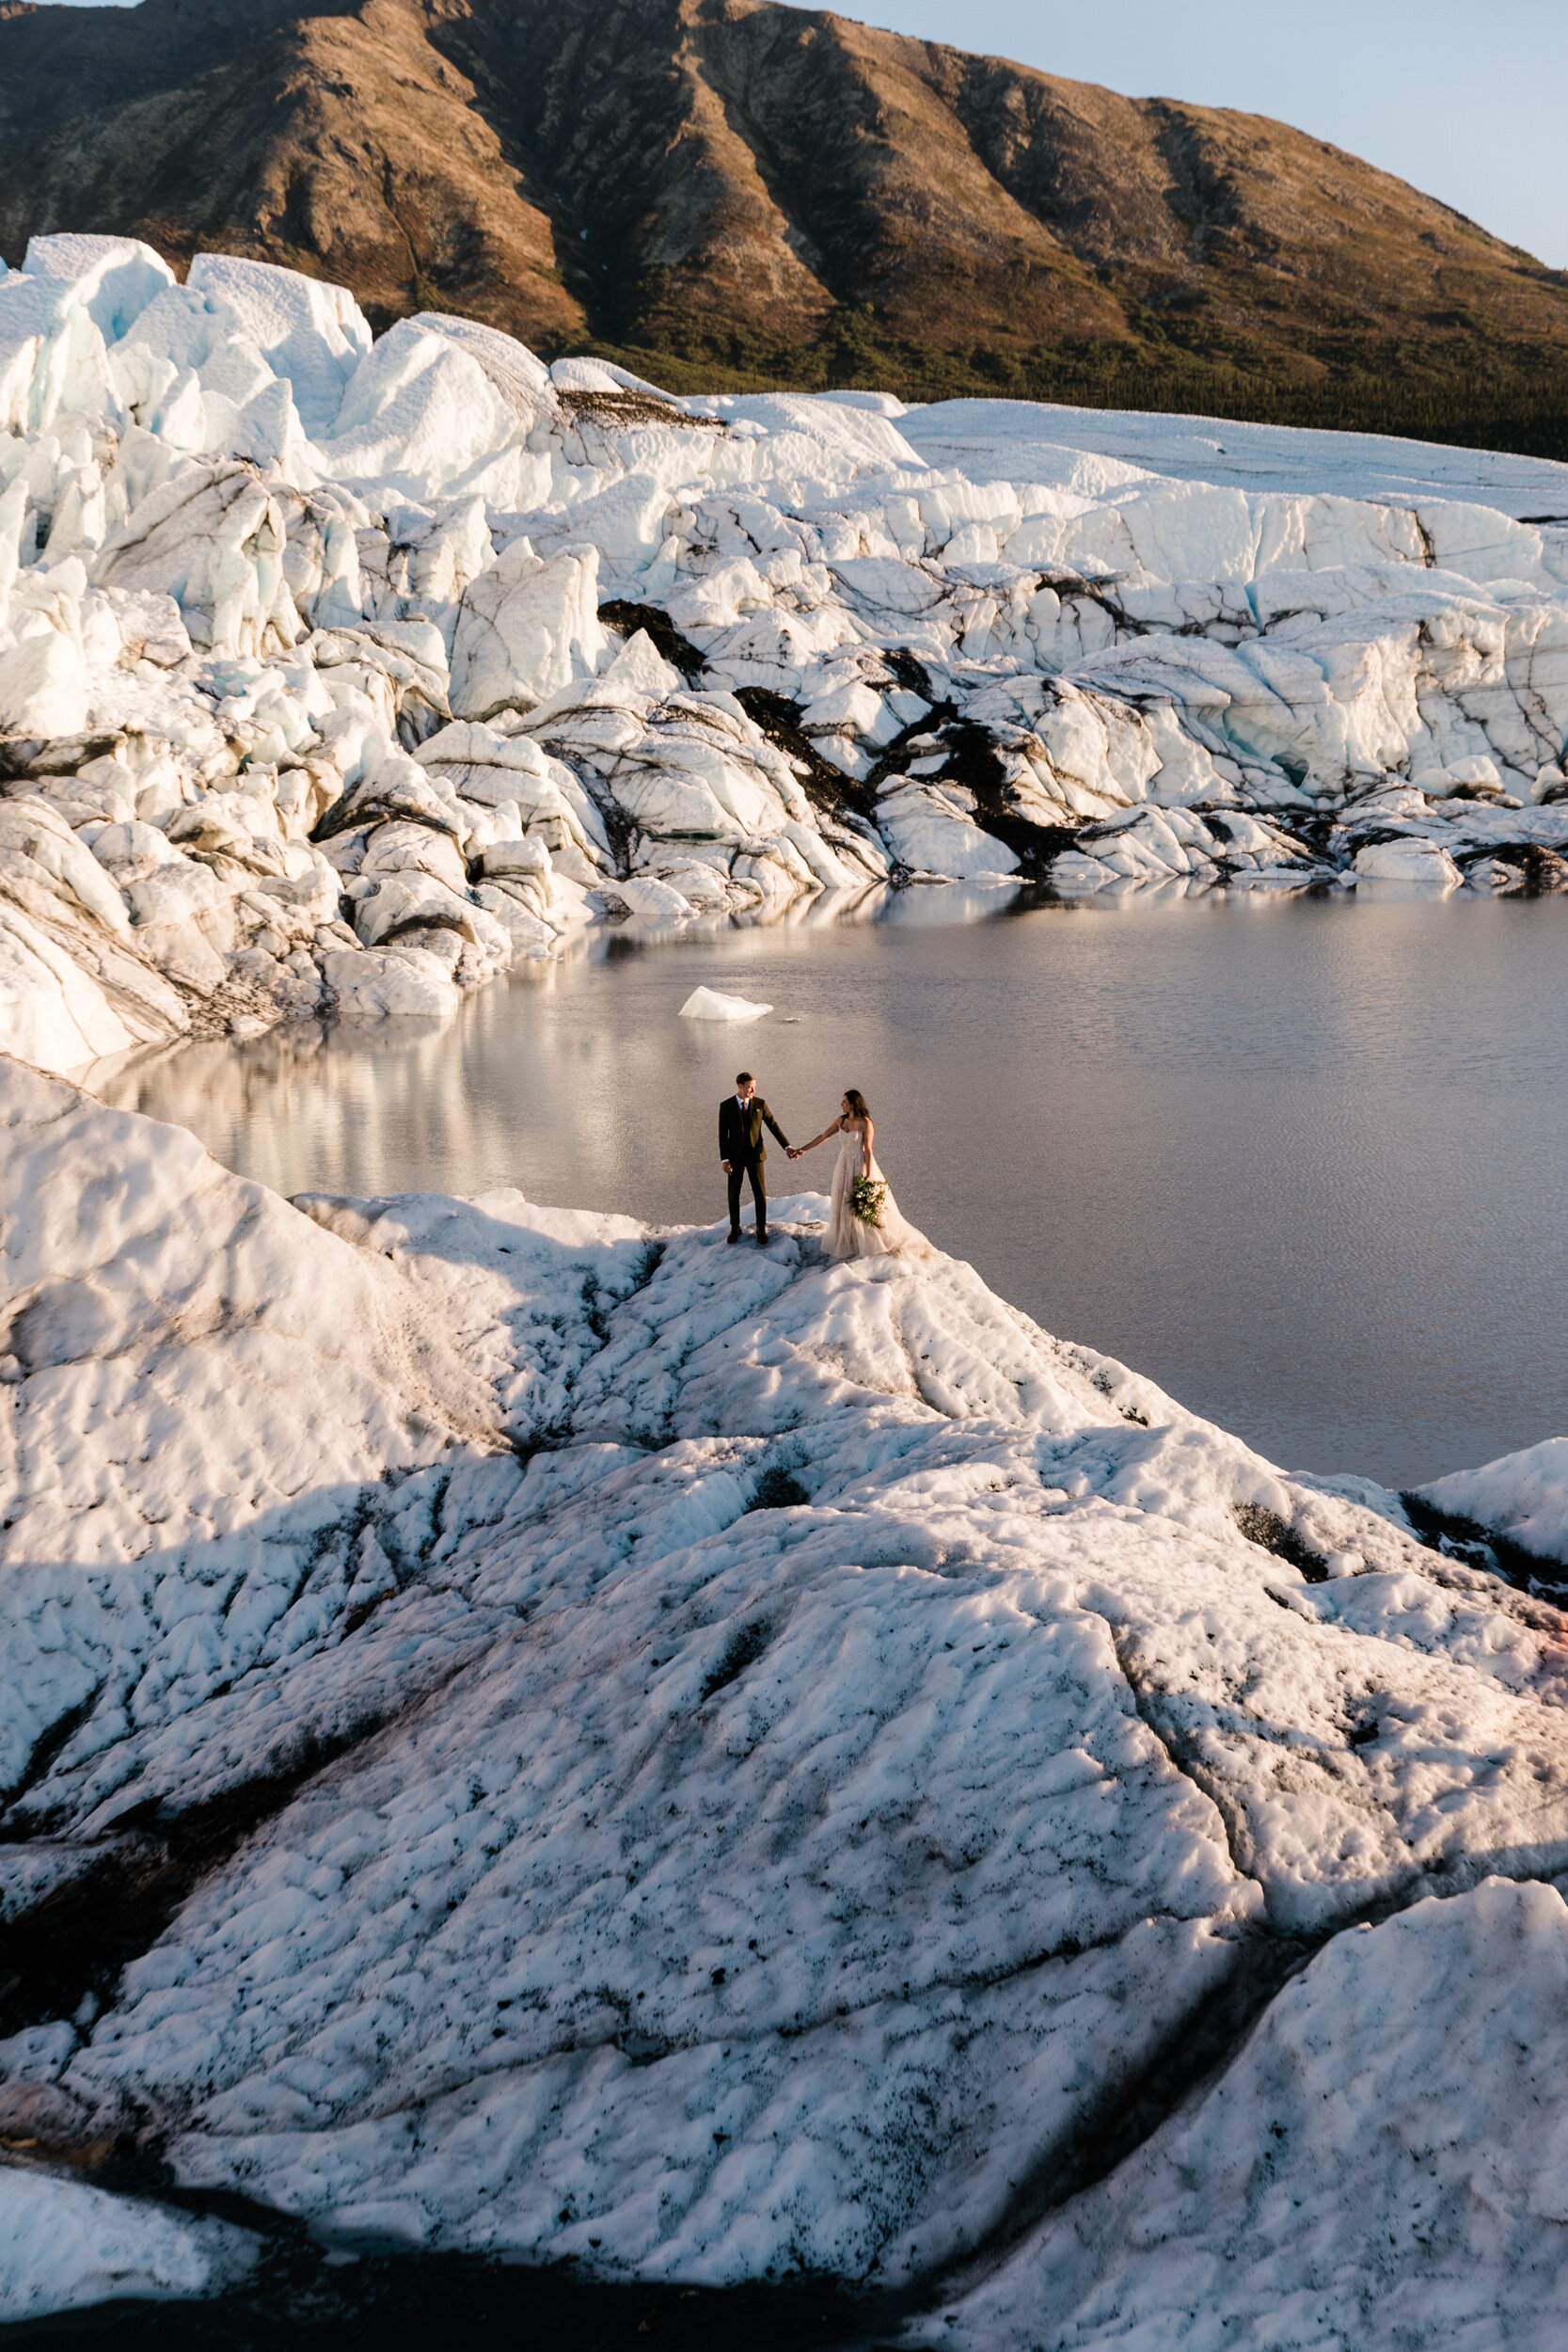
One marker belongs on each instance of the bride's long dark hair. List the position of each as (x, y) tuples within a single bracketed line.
[(857, 1101)]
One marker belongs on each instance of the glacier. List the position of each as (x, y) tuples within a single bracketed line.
[(589, 1749), (340, 672), (526, 1733)]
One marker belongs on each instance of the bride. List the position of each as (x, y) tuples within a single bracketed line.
[(883, 1232)]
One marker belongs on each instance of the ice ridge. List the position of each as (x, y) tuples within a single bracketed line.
[(736, 1765)]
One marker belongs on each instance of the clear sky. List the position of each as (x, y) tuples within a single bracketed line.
[(1466, 98)]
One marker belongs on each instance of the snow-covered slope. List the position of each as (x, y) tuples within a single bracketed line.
[(64, 2244), (1384, 2165), (984, 438), (337, 671), (1524, 1497), (598, 1745)]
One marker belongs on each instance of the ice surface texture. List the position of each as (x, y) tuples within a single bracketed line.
[(1386, 2165), (360, 668), (735, 1762), (1524, 1497), (64, 2244)]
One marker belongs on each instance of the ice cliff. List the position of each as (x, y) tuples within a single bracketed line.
[(337, 671), (528, 1733)]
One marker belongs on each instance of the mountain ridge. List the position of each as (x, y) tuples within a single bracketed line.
[(755, 192)]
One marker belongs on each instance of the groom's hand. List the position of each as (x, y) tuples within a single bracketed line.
[(727, 1168)]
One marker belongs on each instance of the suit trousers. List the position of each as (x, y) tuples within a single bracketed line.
[(757, 1171)]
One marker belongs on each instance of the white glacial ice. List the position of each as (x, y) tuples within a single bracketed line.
[(1524, 1496), (64, 2244), (1384, 2165), (711, 1004), (705, 660), (741, 1763)]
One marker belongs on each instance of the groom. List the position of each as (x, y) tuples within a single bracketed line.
[(742, 1117)]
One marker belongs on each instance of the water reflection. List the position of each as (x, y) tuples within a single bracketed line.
[(1302, 1162)]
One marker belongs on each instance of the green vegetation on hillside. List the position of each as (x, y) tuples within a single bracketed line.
[(1473, 389)]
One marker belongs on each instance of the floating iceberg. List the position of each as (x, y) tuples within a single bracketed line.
[(706, 658), (711, 1004)]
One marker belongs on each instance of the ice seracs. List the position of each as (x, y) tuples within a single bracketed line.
[(708, 658), (734, 1768)]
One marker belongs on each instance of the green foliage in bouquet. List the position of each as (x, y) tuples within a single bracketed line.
[(867, 1199)]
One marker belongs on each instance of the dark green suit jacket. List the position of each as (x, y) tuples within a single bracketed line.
[(741, 1132)]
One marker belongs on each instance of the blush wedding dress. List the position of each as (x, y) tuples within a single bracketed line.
[(847, 1236)]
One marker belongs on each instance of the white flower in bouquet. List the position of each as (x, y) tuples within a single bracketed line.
[(867, 1199)]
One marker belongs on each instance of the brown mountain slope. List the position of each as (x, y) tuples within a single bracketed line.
[(775, 162), (338, 142), (770, 191)]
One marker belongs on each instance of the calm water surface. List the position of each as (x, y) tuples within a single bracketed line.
[(1304, 1164)]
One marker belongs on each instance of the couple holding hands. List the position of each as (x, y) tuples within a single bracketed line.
[(863, 1215)]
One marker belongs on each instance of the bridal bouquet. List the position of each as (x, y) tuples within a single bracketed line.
[(867, 1199)]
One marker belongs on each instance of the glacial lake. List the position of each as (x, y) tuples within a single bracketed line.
[(1305, 1164)]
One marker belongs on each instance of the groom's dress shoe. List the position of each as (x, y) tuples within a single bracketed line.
[(765, 1239), (732, 1239)]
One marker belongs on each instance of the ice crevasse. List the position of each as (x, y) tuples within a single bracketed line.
[(338, 672), (737, 1765)]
